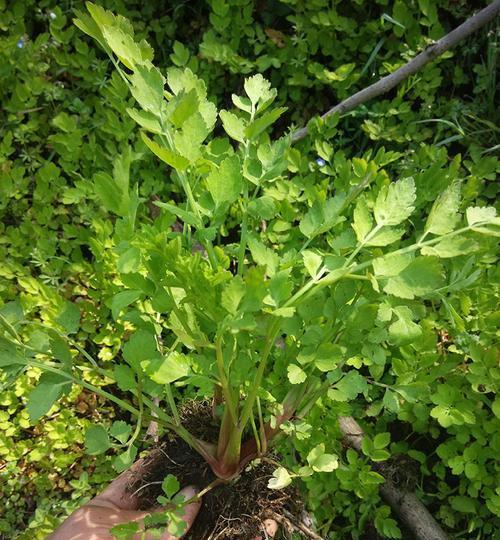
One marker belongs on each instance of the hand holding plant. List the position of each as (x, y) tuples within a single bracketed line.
[(116, 508)]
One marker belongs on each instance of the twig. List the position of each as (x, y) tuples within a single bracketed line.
[(388, 82), (288, 520), (407, 506)]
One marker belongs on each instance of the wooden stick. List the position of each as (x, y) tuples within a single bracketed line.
[(288, 520), (407, 506), (388, 82)]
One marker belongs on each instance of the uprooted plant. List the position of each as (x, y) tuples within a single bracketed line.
[(250, 283)]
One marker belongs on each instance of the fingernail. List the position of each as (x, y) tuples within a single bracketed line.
[(190, 491)]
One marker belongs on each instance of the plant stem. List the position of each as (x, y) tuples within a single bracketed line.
[(255, 433), (55, 369), (194, 207), (140, 416), (226, 390), (171, 403), (249, 401), (363, 243), (244, 234), (262, 427), (314, 284)]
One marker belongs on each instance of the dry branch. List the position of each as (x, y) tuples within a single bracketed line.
[(388, 82), (405, 505)]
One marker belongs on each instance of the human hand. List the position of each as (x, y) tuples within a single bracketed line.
[(112, 507)]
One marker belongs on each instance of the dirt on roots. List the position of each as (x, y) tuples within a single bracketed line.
[(235, 510)]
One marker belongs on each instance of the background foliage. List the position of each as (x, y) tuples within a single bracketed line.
[(63, 122)]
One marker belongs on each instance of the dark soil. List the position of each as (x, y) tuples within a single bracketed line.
[(234, 510)]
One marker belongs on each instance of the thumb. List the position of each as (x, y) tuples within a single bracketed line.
[(191, 509)]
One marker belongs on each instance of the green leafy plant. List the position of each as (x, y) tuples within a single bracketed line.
[(224, 325)]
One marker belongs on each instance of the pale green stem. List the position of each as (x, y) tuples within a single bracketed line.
[(244, 209), (244, 234), (226, 390), (194, 207), (262, 428), (172, 405), (254, 390), (363, 243), (255, 433), (314, 285), (140, 416), (54, 369)]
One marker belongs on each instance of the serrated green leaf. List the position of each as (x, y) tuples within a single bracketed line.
[(312, 261), (129, 261), (186, 104), (321, 217), (391, 264), (108, 193), (122, 300), (226, 182), (328, 356), (140, 346), (124, 460), (285, 312), (147, 88), (242, 103), (89, 26), (296, 375), (263, 255), (349, 387), (384, 313), (395, 202), (478, 214), (60, 350), (49, 389), (280, 479), (180, 56), (175, 161), (69, 317), (363, 222), (145, 119), (448, 247), (96, 440), (123, 45), (253, 130), (124, 377), (121, 431), (464, 504), (422, 276), (187, 217), (233, 126), (280, 288), (232, 295), (167, 369), (386, 236), (258, 89), (444, 215), (262, 208), (404, 330), (321, 462), (170, 485), (10, 354), (381, 440)]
